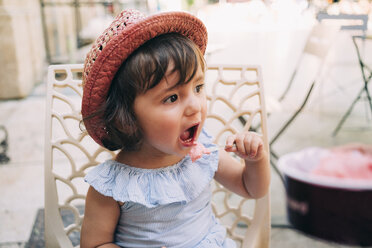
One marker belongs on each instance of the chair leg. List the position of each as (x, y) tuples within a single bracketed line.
[(273, 154), (284, 94), (275, 157), (293, 117), (367, 93), (4, 146), (344, 117), (365, 70), (286, 125)]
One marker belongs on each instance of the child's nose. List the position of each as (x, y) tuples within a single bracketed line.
[(193, 105)]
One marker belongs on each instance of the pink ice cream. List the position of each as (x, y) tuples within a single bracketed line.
[(351, 164), (197, 151)]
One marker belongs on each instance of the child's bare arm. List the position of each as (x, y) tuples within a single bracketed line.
[(250, 179), (100, 220)]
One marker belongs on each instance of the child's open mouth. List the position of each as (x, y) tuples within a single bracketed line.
[(188, 136)]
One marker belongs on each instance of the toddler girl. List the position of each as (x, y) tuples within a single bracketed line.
[(144, 96)]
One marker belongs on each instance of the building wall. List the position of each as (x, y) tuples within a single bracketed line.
[(22, 50)]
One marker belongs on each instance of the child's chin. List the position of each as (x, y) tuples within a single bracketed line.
[(184, 151)]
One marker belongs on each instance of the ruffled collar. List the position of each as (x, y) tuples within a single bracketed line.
[(144, 170), (181, 182)]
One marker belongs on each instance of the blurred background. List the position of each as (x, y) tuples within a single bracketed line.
[(272, 34)]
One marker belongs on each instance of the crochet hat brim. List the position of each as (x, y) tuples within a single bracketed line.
[(115, 45)]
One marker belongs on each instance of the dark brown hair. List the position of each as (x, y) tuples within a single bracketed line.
[(141, 71)]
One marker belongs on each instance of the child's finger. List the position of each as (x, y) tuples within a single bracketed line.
[(230, 141), (247, 140), (240, 144), (255, 145)]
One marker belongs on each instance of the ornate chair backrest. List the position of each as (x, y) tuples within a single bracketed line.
[(235, 101)]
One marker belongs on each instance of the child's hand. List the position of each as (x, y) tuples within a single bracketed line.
[(247, 145)]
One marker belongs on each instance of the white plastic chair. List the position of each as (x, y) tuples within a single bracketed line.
[(233, 92), (317, 47)]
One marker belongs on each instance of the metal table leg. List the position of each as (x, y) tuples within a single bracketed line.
[(367, 75)]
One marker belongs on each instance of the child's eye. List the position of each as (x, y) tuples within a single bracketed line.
[(171, 99), (199, 88)]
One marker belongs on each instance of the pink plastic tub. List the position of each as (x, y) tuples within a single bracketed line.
[(334, 209)]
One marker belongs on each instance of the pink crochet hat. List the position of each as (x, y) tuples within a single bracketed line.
[(129, 30)]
